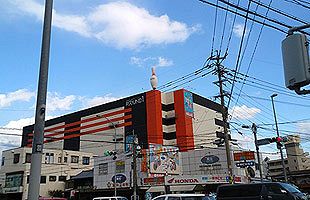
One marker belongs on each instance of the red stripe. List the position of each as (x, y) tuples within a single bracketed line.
[(84, 133), (85, 120)]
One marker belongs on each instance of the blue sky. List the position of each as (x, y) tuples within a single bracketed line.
[(104, 50)]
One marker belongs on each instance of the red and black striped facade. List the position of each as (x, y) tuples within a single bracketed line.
[(143, 114)]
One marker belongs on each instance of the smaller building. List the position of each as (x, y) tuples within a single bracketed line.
[(57, 167)]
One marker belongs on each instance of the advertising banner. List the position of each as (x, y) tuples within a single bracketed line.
[(244, 155), (164, 159), (188, 103)]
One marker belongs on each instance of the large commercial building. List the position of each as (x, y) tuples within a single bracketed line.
[(180, 124), (178, 118)]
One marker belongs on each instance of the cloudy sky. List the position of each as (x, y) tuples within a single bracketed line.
[(104, 50)]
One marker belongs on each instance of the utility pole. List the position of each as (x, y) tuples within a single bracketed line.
[(220, 71), (254, 130), (275, 119), (38, 136), (134, 167)]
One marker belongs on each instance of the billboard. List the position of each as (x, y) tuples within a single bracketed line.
[(188, 103), (164, 159), (244, 155)]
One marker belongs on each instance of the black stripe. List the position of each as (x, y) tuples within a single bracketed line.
[(170, 135), (169, 121), (168, 107), (207, 103)]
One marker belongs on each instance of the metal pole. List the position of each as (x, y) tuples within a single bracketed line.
[(38, 138), (275, 119), (224, 114), (254, 130), (134, 168)]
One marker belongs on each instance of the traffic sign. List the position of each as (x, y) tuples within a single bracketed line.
[(245, 164), (263, 141)]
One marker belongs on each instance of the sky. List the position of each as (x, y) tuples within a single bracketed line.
[(104, 50)]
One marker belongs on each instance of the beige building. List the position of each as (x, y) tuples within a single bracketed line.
[(297, 159), (57, 167)]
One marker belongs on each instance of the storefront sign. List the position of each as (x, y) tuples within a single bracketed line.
[(188, 104), (245, 155), (154, 181), (210, 159), (199, 179), (164, 159), (134, 101)]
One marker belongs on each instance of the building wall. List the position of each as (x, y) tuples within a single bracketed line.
[(179, 118), (53, 166)]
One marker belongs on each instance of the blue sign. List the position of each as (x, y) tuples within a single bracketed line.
[(188, 103), (245, 164), (120, 178), (210, 159), (129, 143)]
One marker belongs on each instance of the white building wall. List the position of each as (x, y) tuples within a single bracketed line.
[(50, 167)]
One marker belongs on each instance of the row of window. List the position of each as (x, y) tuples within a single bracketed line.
[(50, 179), (49, 158)]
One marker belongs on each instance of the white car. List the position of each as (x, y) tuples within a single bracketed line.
[(110, 198), (180, 197)]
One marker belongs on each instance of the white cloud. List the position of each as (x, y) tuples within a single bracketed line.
[(151, 61), (19, 95), (238, 30), (119, 24), (304, 127), (244, 112), (56, 102), (97, 100)]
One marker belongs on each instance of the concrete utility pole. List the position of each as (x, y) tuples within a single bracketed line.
[(134, 169), (38, 137), (275, 119), (254, 130), (220, 71)]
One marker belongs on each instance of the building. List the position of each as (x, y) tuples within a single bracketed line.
[(297, 164), (297, 159), (57, 167), (179, 118), (181, 121)]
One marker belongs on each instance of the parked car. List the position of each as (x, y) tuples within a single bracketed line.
[(110, 198), (181, 197), (259, 191)]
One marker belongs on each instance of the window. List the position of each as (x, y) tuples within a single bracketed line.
[(28, 158), (74, 159), (120, 166), (103, 168), (28, 176), (49, 158), (274, 189), (52, 178), (62, 178), (16, 158), (85, 160), (43, 179), (59, 159), (65, 159), (2, 161)]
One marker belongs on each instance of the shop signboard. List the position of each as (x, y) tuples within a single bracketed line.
[(164, 159), (200, 179), (244, 155), (152, 181), (245, 164)]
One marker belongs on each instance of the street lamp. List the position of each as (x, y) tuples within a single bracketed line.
[(277, 129), (114, 126)]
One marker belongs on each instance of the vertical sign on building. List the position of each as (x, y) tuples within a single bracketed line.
[(188, 103)]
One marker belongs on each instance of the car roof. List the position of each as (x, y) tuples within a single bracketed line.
[(183, 195)]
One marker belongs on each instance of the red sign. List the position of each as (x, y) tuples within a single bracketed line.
[(154, 180), (244, 155)]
